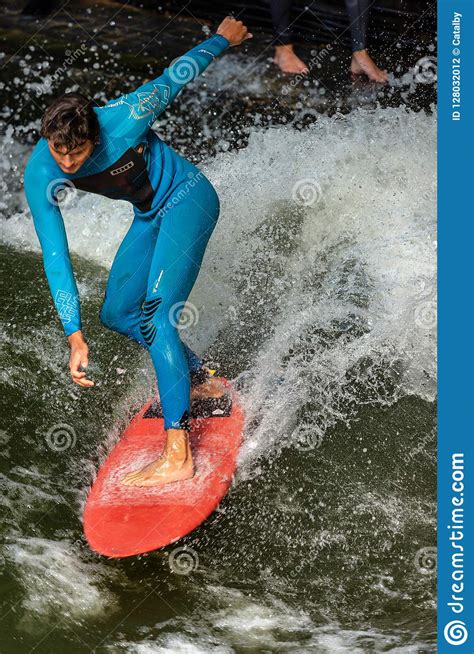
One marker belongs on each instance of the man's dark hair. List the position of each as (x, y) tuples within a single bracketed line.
[(69, 121)]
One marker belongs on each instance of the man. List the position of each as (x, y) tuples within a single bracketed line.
[(112, 151)]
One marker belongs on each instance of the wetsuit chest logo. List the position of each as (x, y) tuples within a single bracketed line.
[(122, 169), (129, 181)]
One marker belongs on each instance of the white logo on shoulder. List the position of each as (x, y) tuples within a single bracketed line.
[(148, 101)]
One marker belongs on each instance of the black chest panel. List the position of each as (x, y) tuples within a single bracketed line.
[(126, 179)]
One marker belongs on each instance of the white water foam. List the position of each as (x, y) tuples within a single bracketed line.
[(354, 291), (247, 624), (58, 584)]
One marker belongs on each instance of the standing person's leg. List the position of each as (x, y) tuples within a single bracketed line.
[(185, 229), (281, 12), (285, 57), (362, 63)]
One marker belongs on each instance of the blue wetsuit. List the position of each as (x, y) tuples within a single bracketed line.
[(175, 211)]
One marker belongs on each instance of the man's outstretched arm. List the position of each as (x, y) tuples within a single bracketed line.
[(138, 110)]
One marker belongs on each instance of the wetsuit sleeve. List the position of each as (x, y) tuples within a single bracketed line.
[(138, 110), (49, 226)]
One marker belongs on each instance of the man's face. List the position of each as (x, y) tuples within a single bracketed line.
[(70, 161)]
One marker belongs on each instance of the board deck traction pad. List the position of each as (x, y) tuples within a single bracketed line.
[(122, 521), (206, 407)]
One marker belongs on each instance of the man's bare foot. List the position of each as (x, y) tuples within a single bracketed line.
[(175, 464), (288, 62), (210, 388), (363, 64)]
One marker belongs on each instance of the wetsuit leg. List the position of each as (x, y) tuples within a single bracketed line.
[(281, 10), (127, 285), (358, 11), (186, 224)]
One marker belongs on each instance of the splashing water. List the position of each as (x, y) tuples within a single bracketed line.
[(317, 296)]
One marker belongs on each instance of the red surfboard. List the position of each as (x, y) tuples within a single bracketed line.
[(124, 520)]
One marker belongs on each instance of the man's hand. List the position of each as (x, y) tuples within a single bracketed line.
[(79, 358), (234, 31)]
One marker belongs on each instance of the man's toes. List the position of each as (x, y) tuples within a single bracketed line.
[(131, 477), (145, 483), (135, 481)]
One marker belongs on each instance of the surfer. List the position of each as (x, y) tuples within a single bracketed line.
[(112, 151), (361, 63)]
